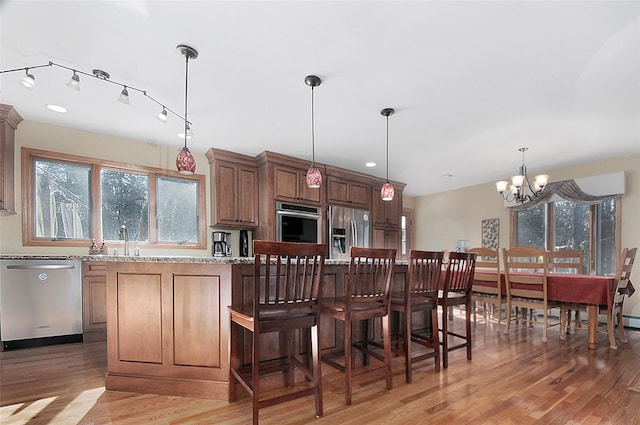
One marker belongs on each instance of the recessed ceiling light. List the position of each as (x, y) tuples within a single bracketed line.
[(370, 164), (56, 108)]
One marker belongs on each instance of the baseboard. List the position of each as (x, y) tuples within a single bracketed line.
[(631, 321)]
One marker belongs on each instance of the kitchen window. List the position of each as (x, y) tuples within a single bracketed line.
[(69, 200), (592, 229)]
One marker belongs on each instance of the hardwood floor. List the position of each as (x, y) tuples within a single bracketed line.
[(512, 379)]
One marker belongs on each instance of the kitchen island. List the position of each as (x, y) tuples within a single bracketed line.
[(168, 325)]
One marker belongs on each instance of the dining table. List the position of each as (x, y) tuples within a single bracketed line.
[(589, 290)]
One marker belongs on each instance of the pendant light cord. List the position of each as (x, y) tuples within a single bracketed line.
[(313, 132), (387, 148), (186, 90)]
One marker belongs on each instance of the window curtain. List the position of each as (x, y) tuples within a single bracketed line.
[(567, 189)]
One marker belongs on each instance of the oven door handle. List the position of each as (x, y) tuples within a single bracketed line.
[(40, 266)]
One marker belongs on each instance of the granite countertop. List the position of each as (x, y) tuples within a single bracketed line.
[(140, 259)]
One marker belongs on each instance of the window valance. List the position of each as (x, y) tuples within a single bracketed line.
[(566, 189)]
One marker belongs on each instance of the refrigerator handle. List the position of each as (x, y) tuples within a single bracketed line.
[(354, 233)]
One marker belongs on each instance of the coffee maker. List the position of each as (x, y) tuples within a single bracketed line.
[(221, 244)]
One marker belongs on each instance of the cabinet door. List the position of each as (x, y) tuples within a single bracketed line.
[(247, 196), (95, 302), (286, 183), (386, 238), (386, 213), (291, 185), (226, 192), (337, 191), (359, 195)]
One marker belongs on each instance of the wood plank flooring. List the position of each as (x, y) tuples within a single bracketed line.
[(512, 379)]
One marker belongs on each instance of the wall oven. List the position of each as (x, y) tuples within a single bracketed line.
[(298, 223)]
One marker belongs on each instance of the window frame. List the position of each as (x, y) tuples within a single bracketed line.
[(28, 199), (550, 236)]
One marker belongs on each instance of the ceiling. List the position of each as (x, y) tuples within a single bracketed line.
[(471, 82)]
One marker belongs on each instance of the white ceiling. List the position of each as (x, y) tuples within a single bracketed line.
[(471, 82)]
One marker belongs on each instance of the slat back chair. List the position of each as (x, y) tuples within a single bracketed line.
[(525, 272), (457, 292), (420, 295), (487, 270), (619, 292), (567, 261), (286, 286), (366, 296)]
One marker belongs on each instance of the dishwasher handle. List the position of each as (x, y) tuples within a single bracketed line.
[(40, 266)]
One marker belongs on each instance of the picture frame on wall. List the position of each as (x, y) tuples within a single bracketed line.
[(491, 233)]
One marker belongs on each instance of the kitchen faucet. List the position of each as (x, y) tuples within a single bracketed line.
[(124, 235)]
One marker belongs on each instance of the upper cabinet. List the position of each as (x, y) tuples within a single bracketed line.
[(290, 185), (234, 189), (9, 120), (387, 213), (348, 193)]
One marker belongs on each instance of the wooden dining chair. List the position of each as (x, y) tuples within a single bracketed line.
[(619, 291), (420, 294), (525, 271), (487, 271), (286, 285), (367, 296), (456, 291), (567, 261)]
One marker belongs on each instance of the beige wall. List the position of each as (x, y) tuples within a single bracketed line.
[(58, 139), (442, 218)]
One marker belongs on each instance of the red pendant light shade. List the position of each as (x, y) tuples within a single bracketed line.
[(185, 162), (387, 192), (314, 177)]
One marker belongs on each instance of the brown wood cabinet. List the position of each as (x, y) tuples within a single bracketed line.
[(386, 237), (94, 301), (348, 193), (9, 120), (234, 189), (168, 328), (387, 213), (290, 185)]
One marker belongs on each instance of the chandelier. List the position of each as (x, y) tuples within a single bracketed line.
[(521, 190)]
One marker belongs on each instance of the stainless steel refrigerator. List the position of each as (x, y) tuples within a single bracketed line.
[(347, 227)]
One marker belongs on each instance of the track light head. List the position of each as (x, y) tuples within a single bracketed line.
[(162, 116), (74, 81), (124, 96), (28, 81)]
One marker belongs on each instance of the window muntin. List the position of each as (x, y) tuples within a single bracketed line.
[(97, 209)]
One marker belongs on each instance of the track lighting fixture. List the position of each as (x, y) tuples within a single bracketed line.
[(74, 81), (124, 96), (29, 81)]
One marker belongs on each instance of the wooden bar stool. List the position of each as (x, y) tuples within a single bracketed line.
[(366, 297), (457, 292), (285, 298), (420, 295)]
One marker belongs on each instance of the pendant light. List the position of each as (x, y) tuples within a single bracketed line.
[(387, 192), (314, 177), (185, 162)]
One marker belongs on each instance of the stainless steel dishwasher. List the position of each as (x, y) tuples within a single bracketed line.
[(40, 302)]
